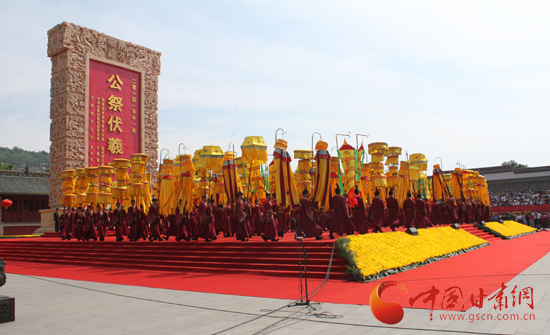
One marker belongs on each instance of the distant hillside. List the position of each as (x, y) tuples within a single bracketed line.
[(20, 158)]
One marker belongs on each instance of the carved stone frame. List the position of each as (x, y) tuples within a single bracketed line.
[(70, 48)]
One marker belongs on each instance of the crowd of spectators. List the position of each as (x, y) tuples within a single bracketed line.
[(528, 197)]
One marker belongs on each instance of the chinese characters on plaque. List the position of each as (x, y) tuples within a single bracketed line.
[(114, 113)]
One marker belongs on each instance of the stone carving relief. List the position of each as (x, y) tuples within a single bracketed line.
[(68, 45)]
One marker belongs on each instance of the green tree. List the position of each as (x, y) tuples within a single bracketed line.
[(6, 166), (514, 164)]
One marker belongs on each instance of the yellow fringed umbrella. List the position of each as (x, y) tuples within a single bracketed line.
[(255, 154), (348, 159), (321, 190), (166, 190), (439, 189), (231, 181), (457, 188), (419, 162), (285, 186), (302, 176)]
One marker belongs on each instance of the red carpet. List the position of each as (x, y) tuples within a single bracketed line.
[(485, 268)]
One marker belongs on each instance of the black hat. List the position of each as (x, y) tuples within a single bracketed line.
[(376, 193), (391, 192), (267, 193), (356, 190), (409, 194), (204, 196), (240, 193), (155, 199), (419, 195), (337, 190), (305, 191)]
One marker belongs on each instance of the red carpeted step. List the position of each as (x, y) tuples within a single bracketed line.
[(227, 256), (481, 233)]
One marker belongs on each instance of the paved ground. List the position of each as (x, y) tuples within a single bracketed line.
[(57, 306)]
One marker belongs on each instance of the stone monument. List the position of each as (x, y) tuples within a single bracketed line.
[(7, 304), (103, 101)]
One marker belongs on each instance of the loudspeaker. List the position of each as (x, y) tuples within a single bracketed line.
[(412, 231), (455, 225)]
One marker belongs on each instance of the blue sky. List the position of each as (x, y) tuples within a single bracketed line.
[(464, 81)]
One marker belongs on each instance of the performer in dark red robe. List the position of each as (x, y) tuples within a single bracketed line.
[(436, 219), (487, 216), (61, 226), (172, 227), (461, 211), (89, 232), (444, 212), (419, 212), (101, 222), (306, 225), (66, 222), (78, 223), (191, 224), (340, 214), (360, 214), (257, 218), (393, 211), (478, 211), (181, 230), (227, 220), (119, 216), (451, 208), (154, 221), (240, 213), (131, 218), (270, 221), (205, 227), (378, 208), (145, 224), (283, 219), (408, 211)]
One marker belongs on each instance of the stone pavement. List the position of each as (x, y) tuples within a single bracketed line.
[(58, 306)]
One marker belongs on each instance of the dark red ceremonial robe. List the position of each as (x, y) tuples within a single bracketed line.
[(154, 221), (257, 220), (270, 221), (462, 212), (419, 214), (451, 208), (393, 212), (378, 208), (101, 222), (306, 224), (360, 216), (436, 218), (408, 210), (227, 221), (240, 212), (131, 218), (89, 226), (340, 214)]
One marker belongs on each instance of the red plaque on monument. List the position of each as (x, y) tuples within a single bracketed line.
[(114, 113)]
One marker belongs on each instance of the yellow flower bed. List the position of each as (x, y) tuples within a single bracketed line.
[(374, 253), (509, 228)]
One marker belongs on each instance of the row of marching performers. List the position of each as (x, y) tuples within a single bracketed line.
[(244, 220)]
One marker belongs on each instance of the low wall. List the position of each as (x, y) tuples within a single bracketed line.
[(512, 209)]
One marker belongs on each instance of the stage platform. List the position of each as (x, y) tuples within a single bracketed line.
[(261, 269)]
